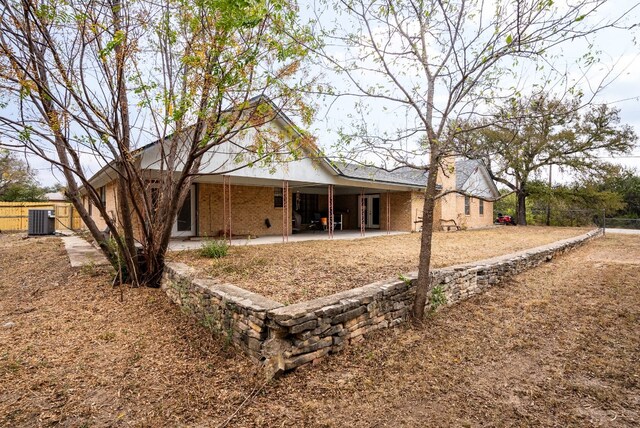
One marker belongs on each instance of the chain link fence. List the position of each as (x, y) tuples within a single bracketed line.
[(579, 218), (623, 223)]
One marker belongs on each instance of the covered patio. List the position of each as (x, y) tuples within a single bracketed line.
[(196, 243), (267, 210)]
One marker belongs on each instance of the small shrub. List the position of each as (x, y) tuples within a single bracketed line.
[(214, 249), (89, 269), (404, 279), (437, 298), (120, 263)]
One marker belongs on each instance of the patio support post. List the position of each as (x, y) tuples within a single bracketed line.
[(362, 209), (330, 215), (285, 211), (226, 207), (388, 212)]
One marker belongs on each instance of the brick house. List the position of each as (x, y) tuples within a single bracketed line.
[(470, 178), (301, 194)]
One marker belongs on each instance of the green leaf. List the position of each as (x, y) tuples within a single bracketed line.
[(580, 18), (509, 39)]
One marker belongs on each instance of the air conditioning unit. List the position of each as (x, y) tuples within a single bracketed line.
[(42, 222)]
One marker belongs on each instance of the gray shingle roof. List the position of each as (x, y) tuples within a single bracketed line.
[(464, 169), (403, 175)]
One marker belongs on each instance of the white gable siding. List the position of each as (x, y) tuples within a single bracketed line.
[(231, 159), (477, 185)]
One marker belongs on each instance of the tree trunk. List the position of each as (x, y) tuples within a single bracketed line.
[(124, 146), (423, 283), (61, 146), (154, 265), (548, 214), (521, 209), (157, 243), (549, 192), (126, 224)]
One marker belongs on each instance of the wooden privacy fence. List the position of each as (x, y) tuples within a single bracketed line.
[(14, 216)]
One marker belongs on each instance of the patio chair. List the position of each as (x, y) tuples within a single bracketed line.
[(337, 222), (315, 223), (296, 222)]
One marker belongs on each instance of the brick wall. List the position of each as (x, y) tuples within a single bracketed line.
[(111, 206), (113, 210), (417, 206), (451, 207), (406, 208), (250, 206), (400, 207), (448, 209), (474, 219)]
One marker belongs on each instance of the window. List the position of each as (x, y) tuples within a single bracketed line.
[(467, 205), (481, 209), (278, 200), (103, 196)]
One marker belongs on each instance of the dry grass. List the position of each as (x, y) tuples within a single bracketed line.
[(558, 346), (77, 356), (305, 270)]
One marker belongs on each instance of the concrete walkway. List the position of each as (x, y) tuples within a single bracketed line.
[(196, 243), (81, 253), (623, 231)]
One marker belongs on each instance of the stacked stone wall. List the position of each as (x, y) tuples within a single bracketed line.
[(463, 281), (229, 311), (285, 337)]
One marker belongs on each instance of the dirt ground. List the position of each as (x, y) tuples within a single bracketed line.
[(305, 270), (556, 346)]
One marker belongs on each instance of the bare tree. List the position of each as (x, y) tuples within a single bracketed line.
[(92, 81), (440, 62)]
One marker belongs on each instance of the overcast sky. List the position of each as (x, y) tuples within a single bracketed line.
[(618, 67), (619, 53)]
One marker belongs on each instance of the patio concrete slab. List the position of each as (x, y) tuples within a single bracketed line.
[(82, 253), (194, 244)]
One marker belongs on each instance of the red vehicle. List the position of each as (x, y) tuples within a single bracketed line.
[(505, 219)]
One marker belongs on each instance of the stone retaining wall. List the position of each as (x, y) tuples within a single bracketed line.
[(230, 311), (285, 337), (462, 281)]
